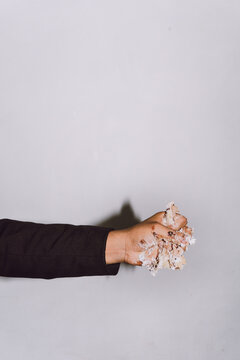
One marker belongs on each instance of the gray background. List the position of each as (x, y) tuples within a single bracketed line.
[(109, 110)]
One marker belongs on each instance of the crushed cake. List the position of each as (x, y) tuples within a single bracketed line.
[(161, 252)]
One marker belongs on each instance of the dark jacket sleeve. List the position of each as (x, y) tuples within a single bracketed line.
[(35, 250)]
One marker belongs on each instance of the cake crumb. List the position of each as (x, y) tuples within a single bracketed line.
[(165, 253)]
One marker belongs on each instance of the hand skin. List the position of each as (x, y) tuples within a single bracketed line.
[(123, 245)]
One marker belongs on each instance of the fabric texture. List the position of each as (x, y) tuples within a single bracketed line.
[(36, 250)]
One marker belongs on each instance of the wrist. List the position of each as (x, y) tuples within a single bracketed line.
[(115, 246)]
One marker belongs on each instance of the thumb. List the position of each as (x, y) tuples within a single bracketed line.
[(179, 220)]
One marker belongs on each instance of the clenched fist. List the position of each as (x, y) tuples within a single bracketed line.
[(124, 245)]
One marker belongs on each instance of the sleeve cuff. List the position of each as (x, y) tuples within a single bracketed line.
[(111, 269)]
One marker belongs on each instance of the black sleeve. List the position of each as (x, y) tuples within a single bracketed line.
[(34, 250)]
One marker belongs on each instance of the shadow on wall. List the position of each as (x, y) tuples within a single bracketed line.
[(125, 218)]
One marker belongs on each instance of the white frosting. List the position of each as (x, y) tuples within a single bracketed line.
[(169, 253)]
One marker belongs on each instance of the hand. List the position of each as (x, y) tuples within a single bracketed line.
[(123, 245), (146, 231)]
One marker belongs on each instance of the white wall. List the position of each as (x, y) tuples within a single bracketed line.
[(106, 103)]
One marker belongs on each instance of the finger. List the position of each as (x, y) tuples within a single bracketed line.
[(179, 222), (163, 232), (179, 219), (156, 217), (187, 230)]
